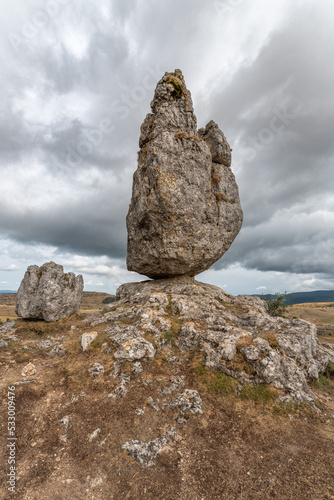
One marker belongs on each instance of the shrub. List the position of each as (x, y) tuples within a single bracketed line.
[(108, 300), (276, 306)]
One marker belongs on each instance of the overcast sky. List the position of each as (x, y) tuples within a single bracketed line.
[(77, 78)]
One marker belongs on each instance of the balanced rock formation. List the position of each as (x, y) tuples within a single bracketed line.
[(185, 210), (48, 293)]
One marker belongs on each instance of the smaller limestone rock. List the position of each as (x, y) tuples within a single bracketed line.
[(66, 422), (45, 344), (94, 434), (7, 327), (137, 367), (250, 353), (96, 369), (176, 384), (57, 350), (153, 404), (48, 293), (135, 349), (145, 453), (28, 370), (86, 339), (3, 343), (121, 390)]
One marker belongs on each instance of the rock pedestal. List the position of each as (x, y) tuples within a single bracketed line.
[(185, 210), (48, 293)]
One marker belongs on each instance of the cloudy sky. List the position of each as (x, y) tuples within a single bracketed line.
[(77, 78)]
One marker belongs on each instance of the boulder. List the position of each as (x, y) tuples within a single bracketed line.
[(48, 293), (185, 210)]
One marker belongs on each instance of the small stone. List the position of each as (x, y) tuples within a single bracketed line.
[(137, 367), (152, 404), (86, 339), (57, 350), (66, 422), (96, 369), (94, 434), (45, 344), (135, 349), (3, 343), (28, 370), (139, 411)]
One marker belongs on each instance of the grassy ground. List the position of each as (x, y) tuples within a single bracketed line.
[(243, 446)]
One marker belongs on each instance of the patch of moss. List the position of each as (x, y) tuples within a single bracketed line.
[(330, 369), (321, 382), (259, 393), (215, 381), (178, 89)]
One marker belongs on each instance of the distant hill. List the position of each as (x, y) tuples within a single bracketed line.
[(2, 292), (302, 297)]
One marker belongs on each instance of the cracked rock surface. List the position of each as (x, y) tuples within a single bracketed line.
[(236, 334), (48, 293)]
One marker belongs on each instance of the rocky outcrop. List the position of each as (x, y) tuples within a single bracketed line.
[(235, 334), (185, 210), (48, 293)]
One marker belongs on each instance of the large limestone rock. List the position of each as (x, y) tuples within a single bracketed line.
[(185, 210), (235, 335), (47, 293)]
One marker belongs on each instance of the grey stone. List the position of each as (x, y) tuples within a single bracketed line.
[(137, 367), (65, 422), (8, 327), (96, 369), (216, 140), (49, 294), (176, 384), (57, 350), (120, 391), (3, 343), (282, 352), (145, 453), (94, 434), (45, 344), (187, 400), (135, 349), (86, 339), (153, 404), (185, 210)]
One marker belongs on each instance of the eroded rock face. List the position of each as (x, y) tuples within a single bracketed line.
[(185, 210), (235, 334), (48, 293)]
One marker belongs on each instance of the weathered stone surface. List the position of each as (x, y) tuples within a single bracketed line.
[(185, 210), (48, 293), (135, 349), (235, 334), (86, 339), (145, 453), (216, 140)]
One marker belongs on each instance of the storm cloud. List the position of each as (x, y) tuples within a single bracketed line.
[(78, 78)]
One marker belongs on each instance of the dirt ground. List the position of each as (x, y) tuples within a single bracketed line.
[(243, 446)]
